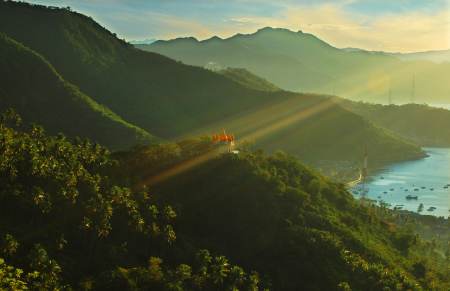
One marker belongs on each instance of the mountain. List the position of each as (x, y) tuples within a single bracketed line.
[(427, 125), (301, 62), (171, 100), (247, 78), (434, 56), (32, 87), (147, 41)]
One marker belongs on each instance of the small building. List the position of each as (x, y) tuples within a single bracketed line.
[(223, 144)]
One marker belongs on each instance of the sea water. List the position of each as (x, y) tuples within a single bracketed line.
[(432, 172)]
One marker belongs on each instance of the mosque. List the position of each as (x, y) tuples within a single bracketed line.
[(223, 144)]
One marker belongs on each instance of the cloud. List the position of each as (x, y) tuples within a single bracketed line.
[(239, 20)]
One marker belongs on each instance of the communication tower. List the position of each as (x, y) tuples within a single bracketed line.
[(390, 94), (364, 174)]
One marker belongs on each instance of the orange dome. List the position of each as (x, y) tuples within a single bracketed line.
[(224, 136)]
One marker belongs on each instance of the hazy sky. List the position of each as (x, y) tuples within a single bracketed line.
[(388, 25)]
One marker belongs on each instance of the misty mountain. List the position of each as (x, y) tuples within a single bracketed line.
[(301, 62), (147, 41), (434, 56), (171, 100)]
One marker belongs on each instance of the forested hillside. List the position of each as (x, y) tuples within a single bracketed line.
[(301, 62), (180, 217), (428, 126), (171, 100), (38, 93)]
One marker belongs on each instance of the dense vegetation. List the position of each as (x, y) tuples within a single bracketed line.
[(32, 86), (180, 217), (427, 125), (301, 62)]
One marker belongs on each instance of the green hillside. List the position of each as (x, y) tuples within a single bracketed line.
[(427, 125), (180, 217), (301, 62), (172, 101), (153, 92), (249, 79), (31, 86)]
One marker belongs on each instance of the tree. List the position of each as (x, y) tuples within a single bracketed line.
[(220, 269), (246, 144), (38, 256), (10, 245)]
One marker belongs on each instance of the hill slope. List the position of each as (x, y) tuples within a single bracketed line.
[(427, 125), (103, 222), (301, 62), (31, 86), (249, 79), (170, 99)]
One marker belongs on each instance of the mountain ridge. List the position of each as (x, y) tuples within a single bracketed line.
[(301, 62)]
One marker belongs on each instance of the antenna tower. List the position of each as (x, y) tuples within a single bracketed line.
[(412, 92), (390, 93), (364, 175)]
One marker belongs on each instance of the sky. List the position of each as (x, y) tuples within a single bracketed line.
[(384, 25)]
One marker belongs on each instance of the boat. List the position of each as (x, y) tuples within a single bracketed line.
[(423, 187), (355, 192), (381, 178), (401, 187), (429, 209), (384, 192), (391, 189), (416, 189), (445, 187), (399, 205), (411, 197), (379, 197), (406, 189), (431, 189), (432, 207)]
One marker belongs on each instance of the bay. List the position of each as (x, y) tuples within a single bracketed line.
[(432, 172)]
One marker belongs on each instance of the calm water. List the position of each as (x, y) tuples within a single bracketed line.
[(431, 172)]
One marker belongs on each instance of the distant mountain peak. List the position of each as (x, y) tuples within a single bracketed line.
[(214, 38), (147, 41)]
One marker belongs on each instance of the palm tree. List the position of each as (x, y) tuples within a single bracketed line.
[(237, 276), (37, 256), (85, 225), (2, 120), (32, 129), (52, 270), (169, 213), (17, 120), (220, 268), (10, 245)]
